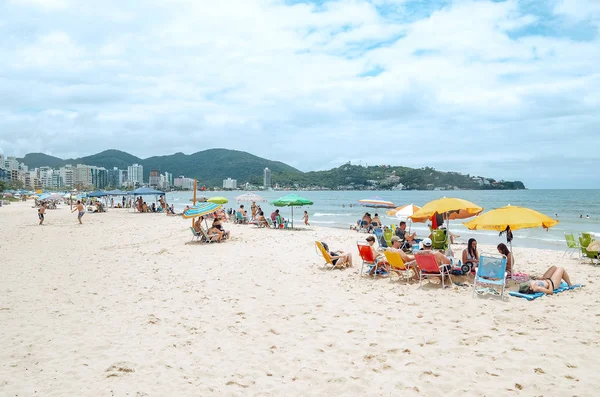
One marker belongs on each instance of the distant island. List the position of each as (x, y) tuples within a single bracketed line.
[(211, 167)]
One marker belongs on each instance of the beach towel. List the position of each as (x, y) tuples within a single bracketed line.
[(562, 287)]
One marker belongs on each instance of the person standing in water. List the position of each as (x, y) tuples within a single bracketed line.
[(79, 207)]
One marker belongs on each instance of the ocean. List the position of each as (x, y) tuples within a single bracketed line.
[(332, 209)]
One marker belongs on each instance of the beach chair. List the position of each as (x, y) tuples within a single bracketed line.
[(439, 240), (366, 254), (325, 254), (380, 239), (364, 227), (270, 222), (387, 235), (584, 240), (491, 271), (428, 267), (208, 238), (572, 245), (397, 265), (196, 235)]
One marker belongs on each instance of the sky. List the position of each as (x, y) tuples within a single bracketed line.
[(503, 89)]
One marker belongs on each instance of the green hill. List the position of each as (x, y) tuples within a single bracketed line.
[(211, 166)]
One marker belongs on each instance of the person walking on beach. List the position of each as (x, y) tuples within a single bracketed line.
[(41, 212), (306, 218), (123, 201), (79, 207)]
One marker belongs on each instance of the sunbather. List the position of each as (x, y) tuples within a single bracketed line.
[(217, 224), (339, 258), (376, 222), (548, 282)]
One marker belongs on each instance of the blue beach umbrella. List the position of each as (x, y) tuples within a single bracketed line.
[(201, 210)]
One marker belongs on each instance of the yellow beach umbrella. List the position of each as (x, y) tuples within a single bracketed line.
[(511, 216), (454, 208)]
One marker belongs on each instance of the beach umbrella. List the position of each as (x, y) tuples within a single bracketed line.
[(291, 200), (55, 196), (451, 208), (509, 218), (594, 246), (218, 200), (201, 209), (250, 197), (404, 211), (376, 202)]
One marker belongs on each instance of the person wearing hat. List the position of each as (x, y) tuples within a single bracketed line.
[(442, 260), (397, 247)]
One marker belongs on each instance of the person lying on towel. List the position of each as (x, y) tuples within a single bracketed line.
[(547, 283)]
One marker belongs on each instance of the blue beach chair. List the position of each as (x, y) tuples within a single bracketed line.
[(491, 271)]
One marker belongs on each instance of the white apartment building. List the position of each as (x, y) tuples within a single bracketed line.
[(135, 175), (123, 178), (229, 183), (267, 178), (66, 174), (184, 183)]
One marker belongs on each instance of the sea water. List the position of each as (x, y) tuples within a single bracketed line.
[(340, 209)]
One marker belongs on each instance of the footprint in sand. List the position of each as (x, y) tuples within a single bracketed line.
[(120, 369)]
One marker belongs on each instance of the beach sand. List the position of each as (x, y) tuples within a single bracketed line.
[(124, 305)]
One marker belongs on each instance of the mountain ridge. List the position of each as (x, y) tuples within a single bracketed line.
[(211, 166)]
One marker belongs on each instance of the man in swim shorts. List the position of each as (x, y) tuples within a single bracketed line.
[(79, 207), (41, 212)]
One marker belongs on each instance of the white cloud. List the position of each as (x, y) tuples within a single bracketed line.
[(278, 79)]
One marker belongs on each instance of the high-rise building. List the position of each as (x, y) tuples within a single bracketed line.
[(123, 178), (113, 177), (1, 160), (66, 174), (135, 175), (82, 176), (154, 178), (99, 177), (267, 178), (11, 163), (169, 179), (229, 183), (184, 183)]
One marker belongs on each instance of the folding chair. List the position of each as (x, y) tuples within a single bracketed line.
[(325, 254), (428, 267), (491, 271), (572, 245), (397, 264), (196, 235), (367, 256)]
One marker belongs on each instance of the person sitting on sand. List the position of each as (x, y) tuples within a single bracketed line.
[(547, 283), (503, 249), (339, 258), (366, 221), (217, 224), (376, 222), (261, 221), (470, 256)]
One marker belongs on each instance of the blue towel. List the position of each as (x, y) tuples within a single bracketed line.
[(562, 287)]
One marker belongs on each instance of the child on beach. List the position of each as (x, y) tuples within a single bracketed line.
[(306, 218)]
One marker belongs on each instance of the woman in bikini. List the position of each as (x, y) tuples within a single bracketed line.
[(549, 281), (503, 249)]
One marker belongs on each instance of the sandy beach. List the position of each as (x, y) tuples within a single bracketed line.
[(124, 305)]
